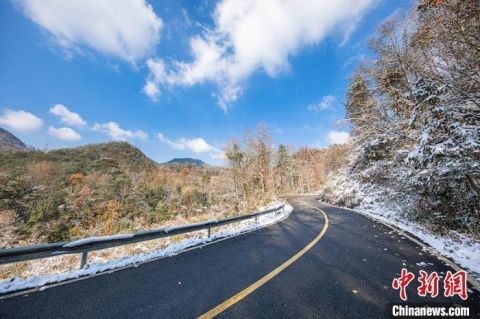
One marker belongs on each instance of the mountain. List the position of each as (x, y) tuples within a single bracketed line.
[(186, 161), (76, 192), (84, 159), (11, 143)]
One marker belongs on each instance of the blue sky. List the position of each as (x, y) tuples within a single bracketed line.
[(180, 78)]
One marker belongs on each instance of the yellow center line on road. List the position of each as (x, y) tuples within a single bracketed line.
[(242, 294)]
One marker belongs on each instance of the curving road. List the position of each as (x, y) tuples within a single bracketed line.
[(302, 267)]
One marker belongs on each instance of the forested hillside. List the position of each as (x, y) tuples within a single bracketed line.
[(104, 189), (97, 189), (415, 117), (258, 170)]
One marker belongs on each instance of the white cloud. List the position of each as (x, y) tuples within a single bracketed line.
[(250, 35), (196, 145), (128, 29), (114, 130), (64, 133), (325, 103), (151, 90), (20, 121), (177, 146), (66, 116), (338, 137)]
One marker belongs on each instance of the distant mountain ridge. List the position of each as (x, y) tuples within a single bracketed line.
[(86, 158), (11, 143), (121, 152), (186, 161)]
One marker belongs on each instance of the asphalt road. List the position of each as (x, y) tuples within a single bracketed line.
[(346, 274)]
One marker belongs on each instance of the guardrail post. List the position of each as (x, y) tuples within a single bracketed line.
[(208, 232), (83, 262)]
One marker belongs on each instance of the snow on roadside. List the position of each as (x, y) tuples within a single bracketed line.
[(462, 249), (368, 200), (230, 230)]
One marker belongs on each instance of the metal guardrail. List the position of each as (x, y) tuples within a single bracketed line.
[(84, 246)]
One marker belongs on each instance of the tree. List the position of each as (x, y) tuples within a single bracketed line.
[(263, 150), (235, 157), (282, 166)]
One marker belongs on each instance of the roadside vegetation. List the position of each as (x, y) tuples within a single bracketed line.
[(415, 116)]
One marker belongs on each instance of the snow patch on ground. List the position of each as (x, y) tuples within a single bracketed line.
[(366, 199), (462, 249), (230, 230)]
